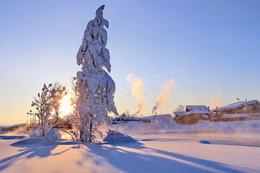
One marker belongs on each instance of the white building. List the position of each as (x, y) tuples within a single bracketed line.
[(194, 109), (193, 114)]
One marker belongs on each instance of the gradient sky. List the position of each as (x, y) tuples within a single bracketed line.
[(210, 48)]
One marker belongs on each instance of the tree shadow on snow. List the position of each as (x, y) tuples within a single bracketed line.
[(135, 157), (30, 148), (11, 137)]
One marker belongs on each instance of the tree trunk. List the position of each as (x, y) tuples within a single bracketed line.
[(91, 133), (42, 126), (83, 134)]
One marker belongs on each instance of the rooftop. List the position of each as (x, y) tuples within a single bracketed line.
[(236, 105)]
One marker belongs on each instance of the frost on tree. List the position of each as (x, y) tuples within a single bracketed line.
[(94, 85), (46, 104)]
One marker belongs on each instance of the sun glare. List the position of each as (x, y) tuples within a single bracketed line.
[(65, 107)]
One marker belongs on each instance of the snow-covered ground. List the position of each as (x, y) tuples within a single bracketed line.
[(167, 148)]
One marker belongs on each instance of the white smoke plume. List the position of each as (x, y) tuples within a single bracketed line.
[(137, 90), (165, 94), (215, 101)]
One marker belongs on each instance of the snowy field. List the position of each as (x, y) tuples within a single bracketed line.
[(204, 147)]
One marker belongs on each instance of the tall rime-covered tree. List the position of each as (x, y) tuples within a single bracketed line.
[(94, 86)]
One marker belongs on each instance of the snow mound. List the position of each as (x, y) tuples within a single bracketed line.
[(162, 121), (115, 136), (52, 136), (204, 142)]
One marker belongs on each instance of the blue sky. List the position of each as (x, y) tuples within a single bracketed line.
[(210, 48)]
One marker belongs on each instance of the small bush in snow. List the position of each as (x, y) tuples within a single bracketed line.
[(52, 136), (34, 133)]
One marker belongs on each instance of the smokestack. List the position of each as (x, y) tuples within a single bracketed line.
[(137, 90), (154, 111)]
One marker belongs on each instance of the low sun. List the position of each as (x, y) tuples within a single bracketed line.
[(65, 106)]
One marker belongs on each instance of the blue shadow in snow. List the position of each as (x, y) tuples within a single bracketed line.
[(159, 161), (204, 142), (11, 137), (30, 148)]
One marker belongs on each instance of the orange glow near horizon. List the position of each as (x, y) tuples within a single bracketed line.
[(65, 106)]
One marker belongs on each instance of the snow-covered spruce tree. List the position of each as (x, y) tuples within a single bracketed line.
[(95, 88)]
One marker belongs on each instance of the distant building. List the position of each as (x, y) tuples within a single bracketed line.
[(193, 114), (236, 110), (242, 110), (251, 107), (197, 108)]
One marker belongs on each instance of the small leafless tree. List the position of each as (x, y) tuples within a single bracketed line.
[(180, 108), (47, 104), (126, 114)]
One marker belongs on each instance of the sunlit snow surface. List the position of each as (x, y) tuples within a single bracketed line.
[(171, 148)]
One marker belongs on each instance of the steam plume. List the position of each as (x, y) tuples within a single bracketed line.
[(137, 90), (216, 100), (165, 94)]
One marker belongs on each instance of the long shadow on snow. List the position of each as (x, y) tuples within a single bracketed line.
[(135, 157), (30, 148), (11, 137)]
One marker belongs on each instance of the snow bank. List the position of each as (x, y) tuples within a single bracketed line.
[(162, 121), (130, 118), (235, 116), (14, 125), (115, 136)]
